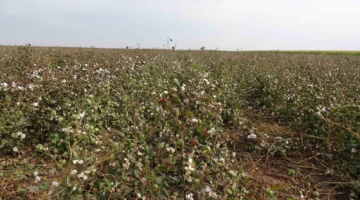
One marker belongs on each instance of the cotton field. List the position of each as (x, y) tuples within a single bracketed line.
[(87, 123)]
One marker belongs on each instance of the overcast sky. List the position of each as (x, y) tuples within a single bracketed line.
[(223, 24)]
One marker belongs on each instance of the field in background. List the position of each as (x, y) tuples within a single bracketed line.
[(356, 53), (162, 124)]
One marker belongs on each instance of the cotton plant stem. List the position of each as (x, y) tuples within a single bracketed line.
[(357, 135)]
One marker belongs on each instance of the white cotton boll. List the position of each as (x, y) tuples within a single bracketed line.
[(36, 173), (138, 195), (97, 150), (166, 92), (172, 150), (23, 136), (252, 136), (50, 192), (190, 196), (35, 104), (194, 120), (206, 81), (207, 189), (212, 131), (31, 86), (301, 195), (74, 188), (75, 162), (81, 175), (37, 179), (82, 115), (55, 184), (190, 160), (73, 172), (353, 150), (233, 154), (81, 162), (64, 81), (182, 88), (15, 149), (222, 160)]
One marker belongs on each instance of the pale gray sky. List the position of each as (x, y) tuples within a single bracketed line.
[(226, 24)]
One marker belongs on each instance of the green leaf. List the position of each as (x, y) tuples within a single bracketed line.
[(195, 66), (21, 191), (52, 170), (208, 148), (229, 191), (175, 99), (189, 114), (43, 186), (159, 180), (22, 121), (111, 157), (353, 194), (356, 184), (14, 135), (56, 137), (231, 173), (274, 188), (137, 173), (270, 194), (33, 188), (179, 143)]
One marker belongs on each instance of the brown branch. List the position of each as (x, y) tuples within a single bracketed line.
[(341, 126)]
